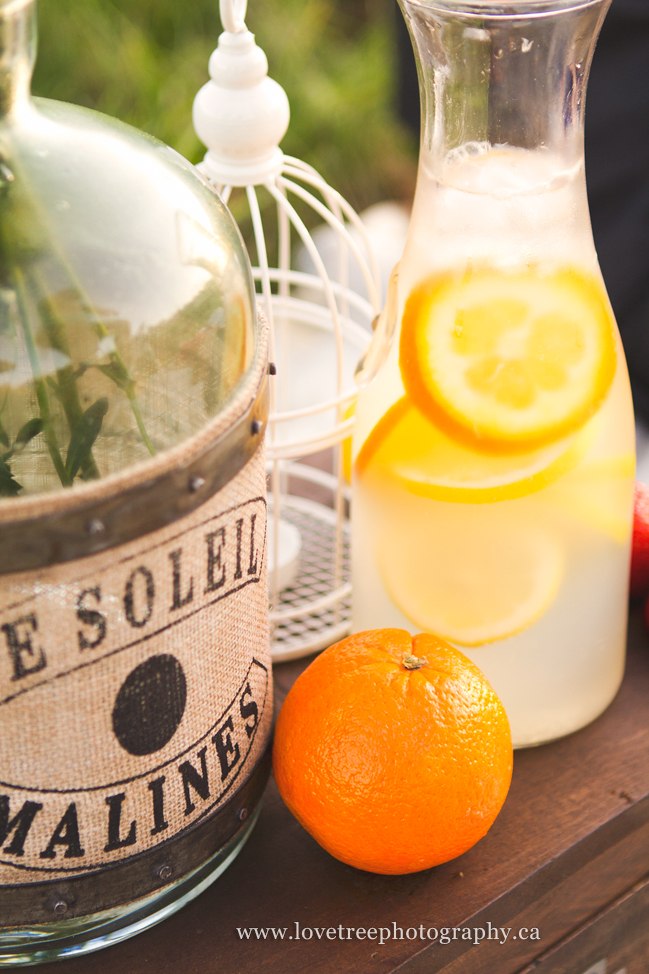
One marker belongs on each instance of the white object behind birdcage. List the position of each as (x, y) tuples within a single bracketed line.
[(319, 329)]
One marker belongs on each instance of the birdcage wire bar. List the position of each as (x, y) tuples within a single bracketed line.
[(315, 610)]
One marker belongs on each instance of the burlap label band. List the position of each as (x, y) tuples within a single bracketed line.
[(135, 691)]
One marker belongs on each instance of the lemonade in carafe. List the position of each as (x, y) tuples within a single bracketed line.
[(494, 446)]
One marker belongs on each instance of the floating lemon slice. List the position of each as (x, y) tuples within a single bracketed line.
[(489, 579), (508, 362), (599, 495), (347, 446), (424, 460)]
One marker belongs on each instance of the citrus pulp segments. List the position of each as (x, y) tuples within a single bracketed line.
[(508, 361), (469, 580), (425, 460)]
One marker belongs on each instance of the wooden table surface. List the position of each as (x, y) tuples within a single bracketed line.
[(572, 837)]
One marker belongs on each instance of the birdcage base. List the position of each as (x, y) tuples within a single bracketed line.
[(315, 611)]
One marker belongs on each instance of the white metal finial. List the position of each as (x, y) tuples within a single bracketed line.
[(233, 14), (240, 114)]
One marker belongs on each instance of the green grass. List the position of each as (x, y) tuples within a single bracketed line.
[(144, 60)]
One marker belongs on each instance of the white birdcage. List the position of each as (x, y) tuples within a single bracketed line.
[(319, 329)]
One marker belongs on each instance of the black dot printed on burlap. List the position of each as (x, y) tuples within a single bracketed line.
[(150, 705)]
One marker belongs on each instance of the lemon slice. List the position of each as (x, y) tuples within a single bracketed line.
[(424, 460), (489, 579), (599, 495), (508, 361), (347, 446)]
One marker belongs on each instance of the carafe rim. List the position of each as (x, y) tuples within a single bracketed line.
[(505, 9)]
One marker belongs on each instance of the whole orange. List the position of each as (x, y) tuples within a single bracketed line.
[(393, 751)]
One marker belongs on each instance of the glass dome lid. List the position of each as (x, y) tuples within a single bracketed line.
[(126, 299)]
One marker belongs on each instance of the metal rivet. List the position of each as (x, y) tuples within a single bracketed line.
[(60, 907), (195, 483), (164, 872), (243, 814), (255, 427), (272, 368), (96, 526)]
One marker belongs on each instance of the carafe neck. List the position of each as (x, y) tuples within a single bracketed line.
[(503, 74)]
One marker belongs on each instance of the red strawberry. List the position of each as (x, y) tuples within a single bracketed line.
[(640, 550)]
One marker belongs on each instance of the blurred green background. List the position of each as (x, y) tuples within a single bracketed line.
[(144, 60)]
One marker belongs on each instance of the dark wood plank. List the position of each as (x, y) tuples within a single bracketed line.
[(616, 938), (572, 837)]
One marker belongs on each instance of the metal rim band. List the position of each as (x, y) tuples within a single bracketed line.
[(35, 903)]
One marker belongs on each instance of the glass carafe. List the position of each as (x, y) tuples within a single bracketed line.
[(494, 445)]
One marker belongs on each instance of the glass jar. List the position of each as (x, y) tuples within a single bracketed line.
[(135, 689), (494, 445)]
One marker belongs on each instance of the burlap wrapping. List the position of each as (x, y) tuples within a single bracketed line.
[(135, 689)]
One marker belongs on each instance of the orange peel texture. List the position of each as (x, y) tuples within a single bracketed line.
[(393, 751)]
